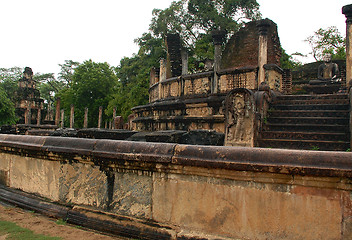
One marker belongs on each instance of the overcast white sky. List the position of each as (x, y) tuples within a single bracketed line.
[(44, 33)]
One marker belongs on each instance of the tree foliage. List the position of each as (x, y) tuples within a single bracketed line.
[(133, 74), (9, 80), (194, 18), (325, 41), (67, 70), (287, 61), (92, 86), (7, 109)]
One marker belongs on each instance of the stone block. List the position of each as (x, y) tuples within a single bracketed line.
[(117, 134), (132, 194), (244, 210), (203, 137), (83, 184)]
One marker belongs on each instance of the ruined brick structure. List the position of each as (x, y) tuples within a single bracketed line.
[(242, 48)]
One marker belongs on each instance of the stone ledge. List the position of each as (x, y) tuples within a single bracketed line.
[(281, 161)]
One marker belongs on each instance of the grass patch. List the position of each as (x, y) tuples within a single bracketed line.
[(315, 148), (61, 222), (16, 232)]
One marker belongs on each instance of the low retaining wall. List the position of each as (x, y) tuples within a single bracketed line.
[(189, 191)]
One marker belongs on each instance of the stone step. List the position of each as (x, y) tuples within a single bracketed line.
[(305, 144), (309, 113), (309, 120), (308, 97), (305, 127), (316, 136), (311, 107), (310, 102)]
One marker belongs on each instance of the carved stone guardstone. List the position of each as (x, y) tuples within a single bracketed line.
[(239, 118)]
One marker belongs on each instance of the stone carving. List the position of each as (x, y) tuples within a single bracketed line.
[(327, 72), (239, 117)]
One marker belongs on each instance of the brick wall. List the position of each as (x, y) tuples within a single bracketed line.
[(242, 48)]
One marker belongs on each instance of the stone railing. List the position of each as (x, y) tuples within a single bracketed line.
[(202, 83), (171, 191)]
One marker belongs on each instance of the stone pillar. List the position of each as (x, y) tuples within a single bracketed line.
[(85, 122), (39, 114), (162, 76), (28, 113), (184, 56), (347, 11), (72, 116), (218, 40), (263, 26), (62, 118), (174, 60), (100, 116), (113, 117), (57, 112)]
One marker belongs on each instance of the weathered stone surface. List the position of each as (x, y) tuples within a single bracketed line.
[(132, 194), (82, 184), (117, 134), (193, 137), (138, 137), (203, 137), (239, 118), (169, 136), (7, 129), (245, 193), (35, 176), (246, 210), (5, 160), (64, 132)]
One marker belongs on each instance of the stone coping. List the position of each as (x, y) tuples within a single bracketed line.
[(237, 70), (278, 161), (273, 67), (174, 102)]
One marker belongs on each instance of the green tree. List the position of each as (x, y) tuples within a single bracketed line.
[(325, 41), (287, 61), (67, 70), (92, 86), (7, 109), (48, 87), (9, 80), (133, 74)]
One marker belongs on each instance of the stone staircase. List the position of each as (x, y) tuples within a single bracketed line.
[(312, 122)]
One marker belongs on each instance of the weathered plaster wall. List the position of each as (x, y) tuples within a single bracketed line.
[(223, 192)]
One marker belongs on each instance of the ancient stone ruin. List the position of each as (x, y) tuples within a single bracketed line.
[(148, 190), (245, 96), (29, 105), (186, 102)]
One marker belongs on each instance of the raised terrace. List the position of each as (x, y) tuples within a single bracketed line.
[(170, 191)]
